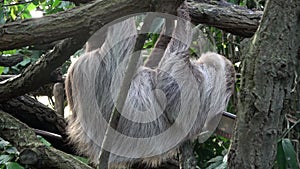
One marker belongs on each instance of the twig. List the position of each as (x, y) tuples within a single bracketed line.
[(19, 3)]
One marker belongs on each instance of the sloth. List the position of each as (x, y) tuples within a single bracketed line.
[(179, 100)]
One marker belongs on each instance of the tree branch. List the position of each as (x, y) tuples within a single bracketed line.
[(33, 152), (35, 114), (38, 116), (231, 18), (12, 60), (78, 22), (38, 74), (83, 21)]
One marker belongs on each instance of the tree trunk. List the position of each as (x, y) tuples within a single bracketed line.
[(267, 81)]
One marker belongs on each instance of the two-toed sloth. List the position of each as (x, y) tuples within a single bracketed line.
[(177, 101)]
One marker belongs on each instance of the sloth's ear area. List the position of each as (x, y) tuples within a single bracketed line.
[(219, 63), (212, 60)]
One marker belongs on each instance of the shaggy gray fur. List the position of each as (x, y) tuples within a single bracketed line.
[(194, 92)]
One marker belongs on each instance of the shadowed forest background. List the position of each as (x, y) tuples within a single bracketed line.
[(40, 38)]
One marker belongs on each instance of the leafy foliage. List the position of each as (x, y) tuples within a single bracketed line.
[(8, 156), (14, 10), (212, 152), (286, 155)]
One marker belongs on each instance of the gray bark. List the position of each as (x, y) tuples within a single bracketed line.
[(228, 17), (79, 23), (83, 21), (267, 81), (39, 74), (10, 60)]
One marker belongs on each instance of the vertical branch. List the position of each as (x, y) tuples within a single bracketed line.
[(58, 93), (161, 44), (122, 95)]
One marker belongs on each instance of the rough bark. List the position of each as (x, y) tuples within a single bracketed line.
[(83, 21), (40, 117), (78, 23), (267, 80), (228, 17), (32, 152), (39, 74), (35, 114), (10, 60), (59, 98)]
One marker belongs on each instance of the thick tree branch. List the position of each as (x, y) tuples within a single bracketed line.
[(33, 152), (8, 61), (38, 74), (35, 114), (77, 22), (83, 21), (231, 18), (38, 116)]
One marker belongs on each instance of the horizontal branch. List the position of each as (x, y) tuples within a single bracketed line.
[(35, 114), (12, 60), (83, 21), (40, 117), (226, 16), (77, 22)]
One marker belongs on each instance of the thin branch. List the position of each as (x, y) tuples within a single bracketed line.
[(161, 44), (19, 3)]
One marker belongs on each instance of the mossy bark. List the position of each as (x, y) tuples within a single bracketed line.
[(268, 75)]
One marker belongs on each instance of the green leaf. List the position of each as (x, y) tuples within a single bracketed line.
[(56, 3), (290, 154), (13, 165), (44, 141), (12, 150), (5, 158), (2, 19), (26, 15), (12, 13), (25, 61), (11, 52), (36, 2), (280, 158), (3, 143), (82, 159), (216, 159), (6, 70), (31, 7), (1, 70)]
